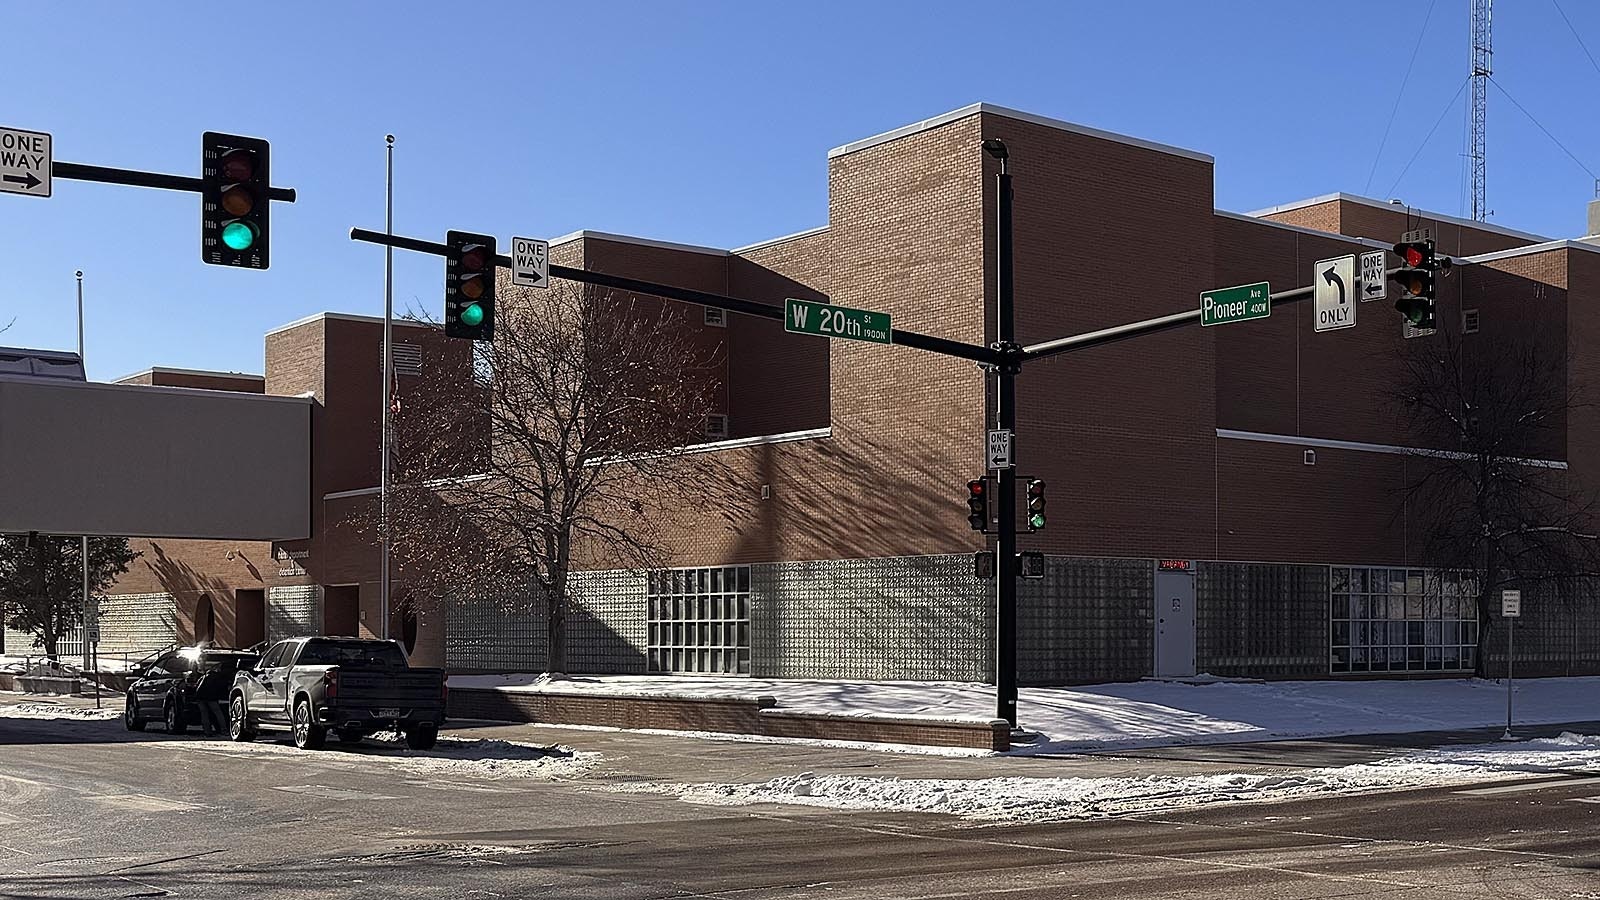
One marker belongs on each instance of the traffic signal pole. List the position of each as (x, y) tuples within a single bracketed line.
[(1008, 363), (135, 178)]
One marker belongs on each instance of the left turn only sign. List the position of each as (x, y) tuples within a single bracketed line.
[(25, 162)]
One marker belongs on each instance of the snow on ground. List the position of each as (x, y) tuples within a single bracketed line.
[(57, 711), (451, 756), (1017, 799), (1140, 714)]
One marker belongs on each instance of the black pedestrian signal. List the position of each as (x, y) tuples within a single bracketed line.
[(1035, 504), (1030, 564), (235, 211), (983, 564), (1417, 284), (978, 504), (469, 286)]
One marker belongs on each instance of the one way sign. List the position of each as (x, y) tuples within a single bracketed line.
[(1374, 283), (25, 162)]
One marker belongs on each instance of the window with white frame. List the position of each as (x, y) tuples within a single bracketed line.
[(699, 620), (1470, 321), (1401, 620)]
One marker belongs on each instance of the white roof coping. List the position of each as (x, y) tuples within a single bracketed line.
[(171, 370), (1244, 217), (349, 317), (772, 242), (992, 109), (639, 241), (1395, 207), (1545, 247), (165, 388)]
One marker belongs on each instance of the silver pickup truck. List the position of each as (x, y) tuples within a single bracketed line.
[(349, 686)]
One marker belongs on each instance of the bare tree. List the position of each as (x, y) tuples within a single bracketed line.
[(1493, 413), (562, 445)]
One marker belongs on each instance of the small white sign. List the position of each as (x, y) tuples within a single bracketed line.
[(1333, 287), (25, 162), (1000, 443), (1374, 283), (530, 262), (1511, 604)]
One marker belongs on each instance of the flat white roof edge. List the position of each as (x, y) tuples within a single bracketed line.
[(639, 241), (349, 317), (1034, 118), (167, 388), (770, 242), (173, 370), (1545, 247), (1332, 444), (1245, 217), (1394, 207)]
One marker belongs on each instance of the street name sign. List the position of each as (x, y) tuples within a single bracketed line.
[(1000, 447), (1236, 304), (827, 320), (1374, 283), (530, 262), (1332, 282), (1511, 603), (25, 162)]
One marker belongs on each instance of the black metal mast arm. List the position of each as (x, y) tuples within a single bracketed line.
[(134, 178), (716, 301)]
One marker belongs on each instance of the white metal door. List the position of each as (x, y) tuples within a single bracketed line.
[(1175, 619)]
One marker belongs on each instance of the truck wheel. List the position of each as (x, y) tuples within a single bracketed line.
[(175, 722), (308, 734), (131, 719), (239, 721), (422, 737)]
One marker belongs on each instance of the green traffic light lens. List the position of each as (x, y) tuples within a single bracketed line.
[(1036, 520), (472, 315), (239, 235)]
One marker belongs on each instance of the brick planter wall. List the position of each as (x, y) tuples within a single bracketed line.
[(728, 715)]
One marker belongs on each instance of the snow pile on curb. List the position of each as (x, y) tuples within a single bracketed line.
[(1017, 799), (57, 711), (475, 757)]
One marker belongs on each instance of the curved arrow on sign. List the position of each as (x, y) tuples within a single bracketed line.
[(1332, 277)]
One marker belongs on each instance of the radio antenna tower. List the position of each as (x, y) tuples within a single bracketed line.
[(1482, 57)]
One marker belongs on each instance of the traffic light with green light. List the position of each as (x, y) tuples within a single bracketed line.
[(1415, 278), (1035, 504), (234, 207), (469, 286), (978, 504)]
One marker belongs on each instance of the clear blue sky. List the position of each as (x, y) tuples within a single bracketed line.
[(701, 122)]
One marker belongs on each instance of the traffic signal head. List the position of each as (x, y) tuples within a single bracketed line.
[(1415, 279), (978, 504), (234, 206), (469, 286), (1035, 504)]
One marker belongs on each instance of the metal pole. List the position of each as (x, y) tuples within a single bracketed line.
[(90, 625), (388, 378), (1511, 652), (1006, 482)]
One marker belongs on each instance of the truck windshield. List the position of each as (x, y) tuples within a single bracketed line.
[(353, 654)]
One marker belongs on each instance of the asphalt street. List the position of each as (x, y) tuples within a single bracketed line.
[(88, 810)]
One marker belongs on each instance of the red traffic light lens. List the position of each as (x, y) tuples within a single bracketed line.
[(474, 257), (976, 488), (1035, 488), (238, 200), (237, 165), (1413, 255)]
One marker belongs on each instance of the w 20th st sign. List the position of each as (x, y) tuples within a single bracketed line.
[(827, 320)]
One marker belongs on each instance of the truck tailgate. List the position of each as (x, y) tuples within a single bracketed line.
[(400, 688)]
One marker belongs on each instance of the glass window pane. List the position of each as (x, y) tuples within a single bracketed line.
[(1358, 580), (1341, 634), (1340, 580)]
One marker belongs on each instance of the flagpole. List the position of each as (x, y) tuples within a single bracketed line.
[(388, 380)]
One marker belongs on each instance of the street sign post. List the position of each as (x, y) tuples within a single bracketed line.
[(1236, 304), (1333, 282), (1001, 447), (1374, 281), (1511, 611), (25, 162), (530, 262), (827, 320)]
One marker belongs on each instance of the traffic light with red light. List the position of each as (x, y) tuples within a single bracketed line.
[(978, 504), (469, 286), (1415, 279), (1035, 504), (234, 207)]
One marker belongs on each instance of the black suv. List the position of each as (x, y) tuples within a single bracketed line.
[(163, 688)]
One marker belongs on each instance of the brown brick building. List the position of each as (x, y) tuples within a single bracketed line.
[(1261, 461)]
